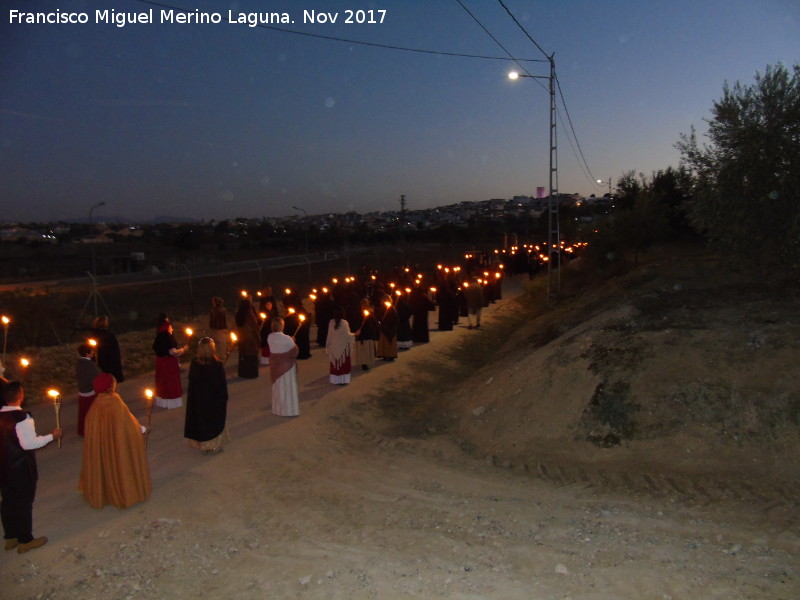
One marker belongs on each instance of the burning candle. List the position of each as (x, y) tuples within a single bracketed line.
[(244, 293), (57, 406), (189, 332)]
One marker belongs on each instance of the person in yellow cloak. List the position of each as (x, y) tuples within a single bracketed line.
[(114, 468)]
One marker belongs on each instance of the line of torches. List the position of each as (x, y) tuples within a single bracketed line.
[(25, 363)]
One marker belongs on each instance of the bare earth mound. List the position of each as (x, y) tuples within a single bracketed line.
[(638, 440)]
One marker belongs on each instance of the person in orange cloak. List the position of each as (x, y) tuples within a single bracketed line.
[(114, 468)]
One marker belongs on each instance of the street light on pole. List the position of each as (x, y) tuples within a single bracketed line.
[(91, 210), (600, 181), (553, 231)]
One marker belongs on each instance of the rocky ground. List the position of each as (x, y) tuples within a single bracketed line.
[(638, 439)]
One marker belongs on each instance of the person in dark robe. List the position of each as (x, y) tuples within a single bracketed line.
[(266, 314), (169, 391), (367, 336), (420, 306), (387, 342), (404, 341), (218, 324), (264, 297), (85, 372), (351, 303), (206, 400), (323, 313), (248, 340), (448, 310), (302, 336), (109, 356)]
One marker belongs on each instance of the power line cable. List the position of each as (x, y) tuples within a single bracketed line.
[(572, 147), (496, 41), (574, 135), (528, 35), (356, 42)]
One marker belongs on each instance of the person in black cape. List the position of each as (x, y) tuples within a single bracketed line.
[(206, 400), (420, 305), (107, 352)]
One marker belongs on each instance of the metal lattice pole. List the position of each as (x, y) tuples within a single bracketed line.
[(553, 230)]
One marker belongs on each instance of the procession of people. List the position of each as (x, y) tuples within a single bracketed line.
[(359, 320)]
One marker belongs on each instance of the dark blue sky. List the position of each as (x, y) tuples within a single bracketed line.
[(221, 120)]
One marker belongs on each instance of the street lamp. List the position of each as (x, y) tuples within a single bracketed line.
[(91, 210), (600, 181), (553, 232)]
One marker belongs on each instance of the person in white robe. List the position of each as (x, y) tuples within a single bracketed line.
[(283, 371), (339, 346)]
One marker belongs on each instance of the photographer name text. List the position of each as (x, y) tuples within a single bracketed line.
[(196, 17)]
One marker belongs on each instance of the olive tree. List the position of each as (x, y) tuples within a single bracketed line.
[(747, 176)]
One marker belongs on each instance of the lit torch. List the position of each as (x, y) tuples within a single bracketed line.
[(6, 323), (24, 363), (57, 406), (148, 399), (300, 324)]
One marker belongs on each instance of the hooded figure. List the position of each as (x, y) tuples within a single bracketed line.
[(114, 468)]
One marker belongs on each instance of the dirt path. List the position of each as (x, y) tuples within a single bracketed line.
[(326, 506)]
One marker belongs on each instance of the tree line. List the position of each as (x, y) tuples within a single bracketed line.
[(738, 189)]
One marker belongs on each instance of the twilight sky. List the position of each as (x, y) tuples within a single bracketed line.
[(224, 120)]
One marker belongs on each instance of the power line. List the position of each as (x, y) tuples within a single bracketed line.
[(496, 41), (356, 42), (574, 135), (528, 35)]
